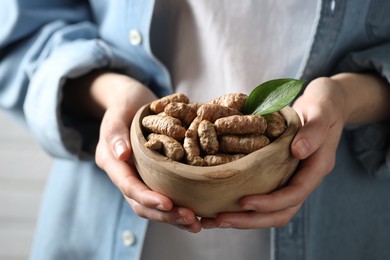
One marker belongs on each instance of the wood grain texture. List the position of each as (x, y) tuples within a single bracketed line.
[(210, 190)]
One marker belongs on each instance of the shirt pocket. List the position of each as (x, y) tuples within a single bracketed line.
[(378, 19)]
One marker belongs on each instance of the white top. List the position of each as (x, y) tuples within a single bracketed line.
[(213, 48)]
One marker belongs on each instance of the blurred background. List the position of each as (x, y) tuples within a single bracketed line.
[(24, 168)]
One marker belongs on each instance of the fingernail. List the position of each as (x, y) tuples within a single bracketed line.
[(190, 230), (119, 148), (249, 207), (225, 225), (161, 207), (181, 221), (303, 147), (208, 226), (183, 227)]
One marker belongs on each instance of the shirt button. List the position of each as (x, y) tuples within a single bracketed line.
[(128, 238), (135, 37), (333, 5)]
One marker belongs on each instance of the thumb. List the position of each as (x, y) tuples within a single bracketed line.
[(115, 130), (121, 149), (310, 136)]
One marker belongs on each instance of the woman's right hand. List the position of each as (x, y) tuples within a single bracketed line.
[(116, 98)]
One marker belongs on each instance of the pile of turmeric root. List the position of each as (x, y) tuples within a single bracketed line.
[(208, 134)]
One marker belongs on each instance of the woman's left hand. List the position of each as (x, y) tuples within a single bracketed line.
[(321, 109), (326, 106)]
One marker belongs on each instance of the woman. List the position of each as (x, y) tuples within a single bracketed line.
[(85, 67)]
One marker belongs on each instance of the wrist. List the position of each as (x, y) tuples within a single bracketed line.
[(92, 94), (366, 97), (327, 96)]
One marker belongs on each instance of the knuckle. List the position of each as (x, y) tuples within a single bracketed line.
[(328, 164), (112, 129), (124, 186), (331, 164), (138, 209), (100, 156), (281, 223), (283, 220), (324, 127), (99, 160), (298, 196)]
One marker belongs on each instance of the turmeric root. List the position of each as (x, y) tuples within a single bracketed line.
[(154, 144), (218, 159), (166, 125), (217, 132), (172, 148), (212, 112), (191, 144), (195, 105), (235, 101), (192, 152), (276, 125), (208, 137), (245, 124), (243, 144), (182, 111), (158, 106)]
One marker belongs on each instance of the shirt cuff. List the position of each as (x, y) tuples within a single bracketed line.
[(375, 59), (61, 136), (370, 145)]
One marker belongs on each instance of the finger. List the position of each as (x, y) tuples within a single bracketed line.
[(312, 134), (249, 220), (178, 216), (208, 223), (319, 110), (287, 197), (307, 178), (193, 228), (128, 182), (115, 126)]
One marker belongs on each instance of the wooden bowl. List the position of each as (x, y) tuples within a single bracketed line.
[(209, 190)]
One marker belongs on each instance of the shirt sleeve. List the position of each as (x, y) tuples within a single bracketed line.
[(375, 59), (42, 44), (371, 143)]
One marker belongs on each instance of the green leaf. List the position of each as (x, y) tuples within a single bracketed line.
[(272, 96)]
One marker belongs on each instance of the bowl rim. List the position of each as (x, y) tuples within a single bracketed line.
[(210, 172)]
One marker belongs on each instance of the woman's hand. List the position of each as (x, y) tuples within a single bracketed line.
[(117, 98), (321, 111), (325, 107)]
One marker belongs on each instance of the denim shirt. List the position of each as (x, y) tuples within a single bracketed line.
[(84, 216)]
